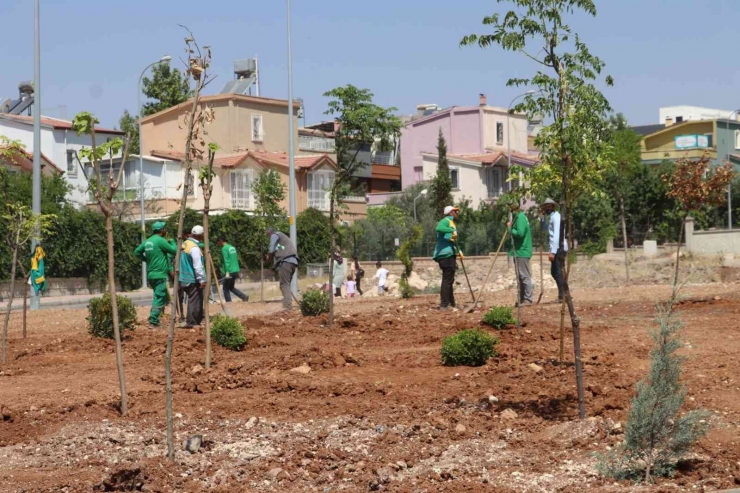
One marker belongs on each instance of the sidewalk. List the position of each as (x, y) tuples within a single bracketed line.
[(142, 297)]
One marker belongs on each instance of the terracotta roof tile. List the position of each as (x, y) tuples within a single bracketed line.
[(262, 157)]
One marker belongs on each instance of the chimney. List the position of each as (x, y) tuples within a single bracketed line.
[(668, 121), (482, 100), (336, 125)]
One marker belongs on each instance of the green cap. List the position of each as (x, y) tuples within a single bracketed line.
[(158, 226)]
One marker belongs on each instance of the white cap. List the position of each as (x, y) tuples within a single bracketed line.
[(449, 209), (197, 230)]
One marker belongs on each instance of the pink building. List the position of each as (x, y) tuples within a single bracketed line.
[(477, 139)]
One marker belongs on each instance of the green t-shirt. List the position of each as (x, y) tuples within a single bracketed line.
[(231, 259), (522, 236), (156, 252)]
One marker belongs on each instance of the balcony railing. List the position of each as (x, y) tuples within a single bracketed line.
[(315, 144), (387, 159)]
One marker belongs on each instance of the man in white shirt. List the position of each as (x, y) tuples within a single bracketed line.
[(381, 275), (554, 253)]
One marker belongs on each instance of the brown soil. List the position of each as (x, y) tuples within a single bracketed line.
[(377, 410)]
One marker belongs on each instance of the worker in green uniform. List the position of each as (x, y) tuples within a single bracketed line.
[(38, 281), (521, 236), (156, 252), (231, 269)]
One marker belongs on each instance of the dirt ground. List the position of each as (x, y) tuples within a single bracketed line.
[(377, 411)]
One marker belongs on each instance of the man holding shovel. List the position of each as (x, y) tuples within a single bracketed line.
[(549, 207), (156, 251), (521, 236), (285, 258), (445, 253)]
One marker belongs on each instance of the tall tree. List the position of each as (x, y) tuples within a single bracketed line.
[(442, 183), (84, 124), (627, 161), (206, 184), (574, 152), (360, 122), (168, 86), (129, 125), (198, 61)]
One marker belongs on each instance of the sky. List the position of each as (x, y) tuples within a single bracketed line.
[(660, 52)]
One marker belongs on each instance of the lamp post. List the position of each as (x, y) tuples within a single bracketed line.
[(36, 196), (165, 59), (422, 194), (291, 153), (729, 187), (508, 127)]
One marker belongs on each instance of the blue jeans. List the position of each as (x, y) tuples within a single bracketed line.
[(229, 288)]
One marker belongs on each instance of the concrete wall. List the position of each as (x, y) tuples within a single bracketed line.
[(517, 130), (470, 178), (55, 287), (717, 241)]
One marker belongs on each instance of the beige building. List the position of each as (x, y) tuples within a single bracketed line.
[(252, 133)]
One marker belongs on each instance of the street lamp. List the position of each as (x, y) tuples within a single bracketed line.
[(422, 194), (165, 59), (291, 152), (729, 187), (508, 127)]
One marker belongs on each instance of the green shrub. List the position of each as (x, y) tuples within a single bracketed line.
[(499, 317), (405, 288), (100, 319), (471, 347), (228, 332), (314, 302)]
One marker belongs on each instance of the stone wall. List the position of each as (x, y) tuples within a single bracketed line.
[(712, 241)]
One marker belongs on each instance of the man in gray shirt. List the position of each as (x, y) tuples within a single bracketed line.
[(285, 258)]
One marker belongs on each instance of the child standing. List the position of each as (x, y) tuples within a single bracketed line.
[(381, 274), (349, 285)]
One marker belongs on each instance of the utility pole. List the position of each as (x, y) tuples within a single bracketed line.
[(291, 154), (36, 202)]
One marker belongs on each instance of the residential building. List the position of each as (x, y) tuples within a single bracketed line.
[(252, 133), (59, 147), (720, 138), (381, 172), (681, 114), (478, 140)]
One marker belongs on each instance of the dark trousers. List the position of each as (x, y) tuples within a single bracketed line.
[(195, 304), (229, 288), (358, 279), (446, 292), (285, 274), (557, 273)]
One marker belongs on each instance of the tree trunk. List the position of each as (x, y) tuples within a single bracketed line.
[(207, 298), (331, 262), (576, 323), (624, 238), (114, 308), (678, 255), (10, 298), (25, 306)]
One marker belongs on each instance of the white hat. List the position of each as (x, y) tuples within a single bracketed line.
[(449, 209), (197, 230)]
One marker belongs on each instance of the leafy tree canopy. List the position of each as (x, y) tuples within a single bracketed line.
[(168, 87)]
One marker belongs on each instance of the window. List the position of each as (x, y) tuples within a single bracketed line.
[(257, 131), (71, 164), (319, 183), (499, 133), (241, 189), (737, 139), (494, 178), (455, 178), (679, 119)]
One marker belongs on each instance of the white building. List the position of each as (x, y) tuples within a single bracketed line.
[(680, 114), (59, 143)]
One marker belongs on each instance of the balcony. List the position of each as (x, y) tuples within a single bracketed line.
[(386, 158), (317, 144)]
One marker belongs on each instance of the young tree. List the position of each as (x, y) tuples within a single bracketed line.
[(168, 86), (693, 186), (23, 226), (129, 125), (627, 157), (574, 152), (84, 124), (198, 61), (656, 436), (269, 191), (206, 183), (360, 122), (442, 183)]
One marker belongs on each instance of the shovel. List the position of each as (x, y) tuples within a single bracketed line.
[(480, 293), (467, 279), (215, 279)]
